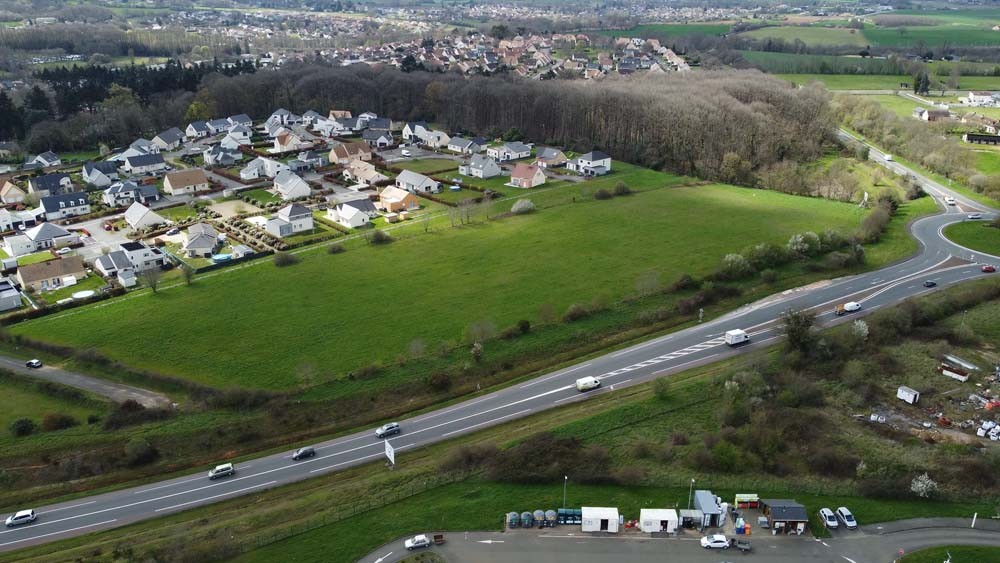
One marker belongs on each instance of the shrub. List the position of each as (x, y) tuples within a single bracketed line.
[(603, 194), (282, 259), (439, 381), (734, 267), (630, 475), (139, 452), (334, 249), (22, 427), (524, 326), (622, 189), (58, 421), (574, 313), (522, 206), (685, 281), (661, 388), (467, 458), (379, 237), (768, 276), (131, 413), (679, 439)]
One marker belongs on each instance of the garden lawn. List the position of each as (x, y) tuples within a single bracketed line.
[(91, 282), (975, 235), (810, 35), (883, 81), (347, 310), (262, 195), (37, 257), (177, 213), (428, 165), (957, 553)]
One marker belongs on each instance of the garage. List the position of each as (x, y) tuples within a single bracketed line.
[(708, 504), (653, 520), (600, 519), (785, 516)]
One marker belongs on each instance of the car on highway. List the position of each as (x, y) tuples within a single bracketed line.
[(715, 541), (587, 383), (417, 541), (988, 268), (888, 157), (21, 517), (975, 216), (387, 429), (224, 470), (949, 200), (849, 307), (33, 363), (845, 516), (828, 518), (303, 453), (930, 283)]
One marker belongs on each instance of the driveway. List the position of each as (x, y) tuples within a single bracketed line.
[(117, 392)]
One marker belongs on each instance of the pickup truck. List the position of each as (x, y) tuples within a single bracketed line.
[(742, 544)]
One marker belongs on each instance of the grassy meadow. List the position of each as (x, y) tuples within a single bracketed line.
[(976, 235)]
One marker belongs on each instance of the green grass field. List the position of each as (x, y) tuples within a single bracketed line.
[(518, 263), (882, 81), (429, 165), (975, 235), (958, 553), (663, 31), (20, 400), (35, 258), (262, 195), (988, 161), (901, 106), (811, 35), (934, 36)]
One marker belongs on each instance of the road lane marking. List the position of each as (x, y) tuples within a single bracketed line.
[(483, 423), (59, 532), (358, 460), (215, 496), (67, 507), (167, 485), (557, 374)]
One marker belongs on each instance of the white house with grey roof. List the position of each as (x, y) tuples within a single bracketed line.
[(138, 216), (414, 182), (594, 163), (50, 184), (100, 174), (125, 193), (201, 241), (261, 167), (290, 220), (43, 160), (288, 185), (169, 140), (462, 145), (63, 206), (512, 150), (217, 126), (220, 156), (144, 164), (39, 237), (197, 130), (480, 166)]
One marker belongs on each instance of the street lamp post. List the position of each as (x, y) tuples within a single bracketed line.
[(565, 481), (690, 492)]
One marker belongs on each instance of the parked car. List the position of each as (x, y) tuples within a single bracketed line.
[(988, 268), (587, 383), (849, 307), (21, 517), (930, 283), (387, 430), (715, 541), (975, 215), (845, 516), (34, 364), (949, 200), (173, 231), (405, 152), (64, 251), (303, 453), (417, 541), (224, 470), (828, 518)]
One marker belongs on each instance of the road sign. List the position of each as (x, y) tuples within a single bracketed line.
[(390, 453)]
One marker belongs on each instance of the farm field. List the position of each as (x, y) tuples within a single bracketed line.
[(934, 36), (329, 317), (664, 31), (811, 35), (882, 81), (901, 106), (975, 235), (988, 161)]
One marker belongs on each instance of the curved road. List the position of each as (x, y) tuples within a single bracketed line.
[(661, 356)]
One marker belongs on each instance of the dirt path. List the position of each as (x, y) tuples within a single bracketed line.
[(118, 392)]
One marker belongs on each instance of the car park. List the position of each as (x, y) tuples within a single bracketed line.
[(988, 269), (417, 541), (387, 430), (587, 383), (33, 363), (828, 518), (303, 453), (21, 517), (224, 470), (845, 516), (715, 541), (930, 283), (975, 216)]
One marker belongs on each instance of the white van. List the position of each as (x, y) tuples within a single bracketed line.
[(737, 337), (888, 157), (587, 383)]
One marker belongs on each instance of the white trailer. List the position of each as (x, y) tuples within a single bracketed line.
[(736, 337), (908, 394)]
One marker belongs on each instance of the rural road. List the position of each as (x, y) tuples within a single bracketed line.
[(118, 392), (672, 353)]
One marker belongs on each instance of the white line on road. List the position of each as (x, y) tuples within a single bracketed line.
[(215, 496), (686, 363), (67, 507), (59, 532), (167, 485), (557, 374), (484, 423), (346, 462)]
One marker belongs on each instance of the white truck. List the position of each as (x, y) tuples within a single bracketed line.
[(888, 157), (736, 337), (587, 383)]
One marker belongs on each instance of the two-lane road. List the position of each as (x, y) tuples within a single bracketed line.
[(642, 362)]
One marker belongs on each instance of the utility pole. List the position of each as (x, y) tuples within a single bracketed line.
[(690, 493), (565, 482)]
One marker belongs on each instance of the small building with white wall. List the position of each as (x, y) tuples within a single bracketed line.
[(599, 519), (653, 520)]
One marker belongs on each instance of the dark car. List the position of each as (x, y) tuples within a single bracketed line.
[(35, 363), (303, 453), (930, 283), (988, 269)]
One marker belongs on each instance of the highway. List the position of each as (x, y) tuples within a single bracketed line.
[(938, 260)]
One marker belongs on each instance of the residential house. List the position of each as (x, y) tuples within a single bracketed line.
[(50, 184), (380, 124), (51, 274), (377, 139), (526, 176), (926, 114), (15, 220), (9, 149), (138, 216), (979, 98), (289, 141), (100, 174), (111, 264), (393, 199), (188, 181), (480, 166), (142, 256), (363, 172), (62, 206), (346, 152), (45, 160), (594, 163), (415, 130), (339, 114), (10, 297), (169, 140), (363, 205), (261, 167), (241, 133), (310, 117), (368, 116), (144, 164), (348, 216), (232, 143), (312, 159), (416, 183), (217, 126), (201, 241), (290, 220), (462, 145), (197, 130), (282, 116), (513, 150), (436, 139), (241, 119), (290, 186), (548, 157), (221, 157), (39, 237), (144, 146), (125, 193), (10, 193)]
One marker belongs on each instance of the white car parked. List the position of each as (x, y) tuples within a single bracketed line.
[(417, 541), (828, 518), (847, 518), (715, 541), (21, 517)]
